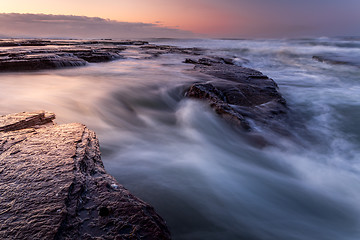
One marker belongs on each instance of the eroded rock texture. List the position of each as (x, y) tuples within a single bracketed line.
[(37, 54), (53, 186), (237, 93)]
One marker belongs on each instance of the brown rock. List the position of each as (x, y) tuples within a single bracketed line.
[(53, 54), (157, 50), (53, 186), (21, 62), (237, 93)]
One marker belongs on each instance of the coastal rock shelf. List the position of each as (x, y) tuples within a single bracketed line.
[(53, 186), (37, 54), (237, 93), (20, 55)]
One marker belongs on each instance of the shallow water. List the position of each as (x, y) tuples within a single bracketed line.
[(201, 174)]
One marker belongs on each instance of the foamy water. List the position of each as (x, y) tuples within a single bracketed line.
[(201, 174)]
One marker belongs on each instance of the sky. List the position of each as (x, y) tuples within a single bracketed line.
[(174, 18)]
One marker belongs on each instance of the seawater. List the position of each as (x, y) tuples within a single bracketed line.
[(200, 173)]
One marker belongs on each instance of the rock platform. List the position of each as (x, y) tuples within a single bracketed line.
[(53, 185), (236, 93)]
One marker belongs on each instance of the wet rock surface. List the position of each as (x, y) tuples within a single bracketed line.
[(37, 54), (24, 55), (157, 50), (53, 186), (236, 93), (39, 61)]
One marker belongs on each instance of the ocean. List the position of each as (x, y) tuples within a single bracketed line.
[(200, 173)]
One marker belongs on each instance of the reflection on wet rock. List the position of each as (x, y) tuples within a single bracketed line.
[(53, 185)]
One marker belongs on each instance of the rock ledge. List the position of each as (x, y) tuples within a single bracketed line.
[(53, 186), (236, 93)]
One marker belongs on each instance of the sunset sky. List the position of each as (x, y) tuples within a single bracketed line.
[(212, 18)]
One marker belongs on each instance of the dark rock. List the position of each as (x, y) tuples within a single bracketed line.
[(51, 54), (191, 61), (31, 42), (31, 61), (54, 54), (210, 61), (96, 56), (237, 93), (53, 186), (338, 60), (129, 42), (40, 42), (217, 101), (224, 60), (157, 50), (111, 42)]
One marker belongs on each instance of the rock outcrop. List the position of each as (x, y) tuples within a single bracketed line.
[(237, 93), (53, 186), (38, 54), (25, 55), (25, 62), (157, 50)]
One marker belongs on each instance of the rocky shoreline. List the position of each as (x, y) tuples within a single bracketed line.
[(53, 183), (25, 55), (236, 93), (54, 186)]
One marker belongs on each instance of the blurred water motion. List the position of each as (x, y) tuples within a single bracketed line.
[(200, 173)]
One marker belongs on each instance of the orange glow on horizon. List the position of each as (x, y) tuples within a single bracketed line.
[(198, 17), (213, 18)]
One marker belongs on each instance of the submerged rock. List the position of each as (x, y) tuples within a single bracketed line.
[(237, 93), (53, 186), (338, 60)]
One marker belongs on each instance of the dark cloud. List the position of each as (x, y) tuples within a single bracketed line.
[(65, 26)]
